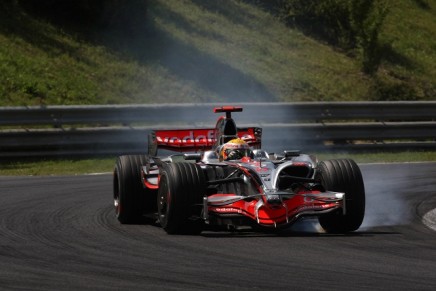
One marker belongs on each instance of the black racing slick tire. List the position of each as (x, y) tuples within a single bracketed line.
[(180, 196), (343, 175), (131, 199)]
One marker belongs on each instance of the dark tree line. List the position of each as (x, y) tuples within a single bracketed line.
[(349, 24), (352, 25), (95, 13)]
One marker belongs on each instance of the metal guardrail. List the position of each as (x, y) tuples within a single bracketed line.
[(120, 129), (194, 113)]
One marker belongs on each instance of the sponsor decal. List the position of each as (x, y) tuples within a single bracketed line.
[(261, 169), (190, 137), (299, 164), (309, 207), (308, 199), (187, 136), (227, 209)]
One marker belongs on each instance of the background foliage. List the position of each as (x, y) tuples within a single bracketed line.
[(353, 25), (88, 13), (137, 51)]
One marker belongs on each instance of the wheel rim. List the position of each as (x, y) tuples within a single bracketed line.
[(163, 201), (117, 200), (117, 203)]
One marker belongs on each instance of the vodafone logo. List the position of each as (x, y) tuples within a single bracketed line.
[(188, 137), (193, 137)]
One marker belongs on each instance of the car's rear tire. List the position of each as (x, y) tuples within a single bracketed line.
[(179, 200), (343, 175), (131, 199)]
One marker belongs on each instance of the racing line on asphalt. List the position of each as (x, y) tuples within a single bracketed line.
[(429, 219), (60, 233)]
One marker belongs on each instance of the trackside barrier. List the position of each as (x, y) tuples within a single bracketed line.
[(68, 131)]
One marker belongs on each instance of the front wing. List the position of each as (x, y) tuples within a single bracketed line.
[(273, 209)]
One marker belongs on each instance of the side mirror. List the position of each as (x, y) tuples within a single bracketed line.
[(293, 153), (192, 157)]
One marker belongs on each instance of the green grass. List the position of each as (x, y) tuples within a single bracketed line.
[(203, 51), (106, 165), (57, 167)]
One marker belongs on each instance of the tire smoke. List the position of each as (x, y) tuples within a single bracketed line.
[(386, 199)]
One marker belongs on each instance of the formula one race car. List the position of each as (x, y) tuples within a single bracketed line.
[(222, 179)]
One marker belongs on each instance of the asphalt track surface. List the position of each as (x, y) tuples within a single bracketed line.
[(60, 233)]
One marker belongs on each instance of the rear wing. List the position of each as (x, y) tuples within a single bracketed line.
[(193, 140)]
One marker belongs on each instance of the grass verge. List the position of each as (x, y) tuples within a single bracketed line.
[(57, 167), (203, 51), (105, 165)]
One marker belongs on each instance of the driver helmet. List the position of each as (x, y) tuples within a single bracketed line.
[(235, 149)]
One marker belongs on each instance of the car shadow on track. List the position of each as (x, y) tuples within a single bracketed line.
[(306, 228), (299, 229), (241, 234)]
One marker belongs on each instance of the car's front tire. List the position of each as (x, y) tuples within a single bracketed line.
[(131, 198), (179, 200), (343, 175)]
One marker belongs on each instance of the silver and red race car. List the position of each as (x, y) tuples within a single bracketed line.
[(195, 189)]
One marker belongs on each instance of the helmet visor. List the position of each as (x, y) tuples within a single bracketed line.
[(236, 154)]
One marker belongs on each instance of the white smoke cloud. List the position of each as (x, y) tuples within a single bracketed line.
[(389, 196), (386, 199)]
